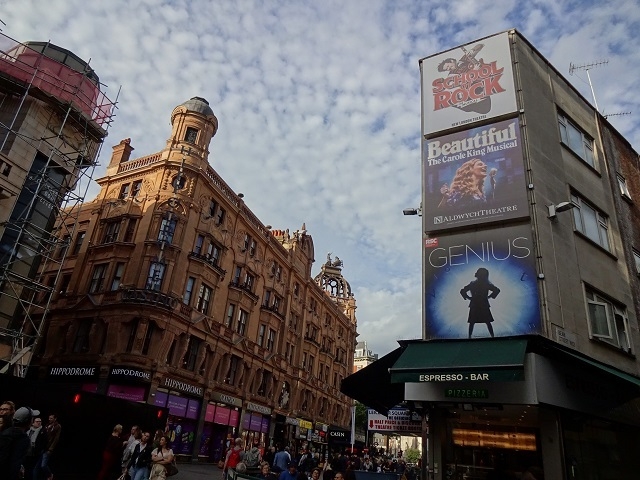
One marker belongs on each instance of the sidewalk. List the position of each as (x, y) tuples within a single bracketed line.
[(188, 471)]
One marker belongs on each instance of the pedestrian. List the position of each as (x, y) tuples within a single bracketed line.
[(291, 472), (140, 461), (266, 473), (37, 446), (252, 458), (43, 469), (14, 443), (128, 446), (111, 453), (234, 456), (160, 458), (7, 409), (281, 460)]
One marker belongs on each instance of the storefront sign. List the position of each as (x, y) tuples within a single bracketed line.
[(258, 408), (291, 421), (127, 392), (395, 421), (322, 426), (130, 373), (73, 372), (182, 386), (466, 393), (224, 398), (158, 299), (339, 437), (498, 375), (305, 424)]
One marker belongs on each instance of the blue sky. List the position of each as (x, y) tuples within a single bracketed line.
[(318, 105)]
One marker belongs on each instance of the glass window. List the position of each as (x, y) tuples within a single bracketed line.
[(136, 187), (261, 331), (607, 320), (231, 310), (111, 231), (242, 321), (578, 142), (129, 232), (636, 259), (204, 298), (167, 229), (191, 355), (124, 191), (151, 328), (97, 279), (191, 135), (213, 207), (156, 274), (117, 276), (197, 249), (188, 290), (624, 189), (78, 244), (81, 342), (271, 339), (220, 216), (589, 221)]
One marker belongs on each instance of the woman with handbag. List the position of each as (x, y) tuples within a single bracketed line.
[(161, 459)]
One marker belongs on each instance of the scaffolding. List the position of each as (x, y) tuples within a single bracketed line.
[(53, 121)]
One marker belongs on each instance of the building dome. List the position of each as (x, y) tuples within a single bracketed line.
[(196, 105)]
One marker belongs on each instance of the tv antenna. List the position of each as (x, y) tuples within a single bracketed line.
[(588, 66)]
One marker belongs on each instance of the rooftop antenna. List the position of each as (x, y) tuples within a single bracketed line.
[(616, 114), (588, 66)]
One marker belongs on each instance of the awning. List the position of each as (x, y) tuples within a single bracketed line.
[(495, 359), (372, 385), (628, 379)]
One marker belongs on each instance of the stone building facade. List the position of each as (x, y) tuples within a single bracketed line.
[(174, 293)]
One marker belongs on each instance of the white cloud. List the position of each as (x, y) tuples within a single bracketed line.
[(319, 107)]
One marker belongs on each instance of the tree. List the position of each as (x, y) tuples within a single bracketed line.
[(361, 417)]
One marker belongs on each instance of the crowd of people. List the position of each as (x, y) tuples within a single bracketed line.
[(281, 464), (136, 457), (26, 445)]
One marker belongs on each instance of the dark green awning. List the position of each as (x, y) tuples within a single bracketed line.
[(630, 379), (494, 359)]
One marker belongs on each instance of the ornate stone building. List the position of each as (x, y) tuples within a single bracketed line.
[(174, 293)]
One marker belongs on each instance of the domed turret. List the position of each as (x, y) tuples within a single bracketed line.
[(194, 125)]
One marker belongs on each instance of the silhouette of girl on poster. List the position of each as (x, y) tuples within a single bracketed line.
[(479, 307)]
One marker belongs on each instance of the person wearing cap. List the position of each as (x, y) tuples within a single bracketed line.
[(14, 443)]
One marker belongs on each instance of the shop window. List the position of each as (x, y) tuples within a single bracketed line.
[(608, 320)]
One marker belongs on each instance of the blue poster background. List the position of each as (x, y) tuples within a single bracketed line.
[(451, 263)]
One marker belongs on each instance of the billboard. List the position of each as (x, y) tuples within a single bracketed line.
[(474, 177), (397, 420), (481, 284), (467, 84)]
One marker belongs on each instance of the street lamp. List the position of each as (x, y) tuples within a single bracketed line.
[(561, 207)]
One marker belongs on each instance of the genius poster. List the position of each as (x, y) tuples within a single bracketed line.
[(474, 177), (481, 284)]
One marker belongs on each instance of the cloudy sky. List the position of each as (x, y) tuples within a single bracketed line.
[(318, 104)]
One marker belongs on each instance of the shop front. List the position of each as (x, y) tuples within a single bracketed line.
[(256, 421), (221, 422), (511, 404), (303, 435), (339, 439), (318, 439), (129, 383), (184, 401)]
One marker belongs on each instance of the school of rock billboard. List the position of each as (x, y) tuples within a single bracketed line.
[(480, 284), (473, 177), (471, 83)]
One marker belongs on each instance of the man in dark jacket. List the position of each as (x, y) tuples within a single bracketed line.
[(141, 458), (38, 443), (14, 443)]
